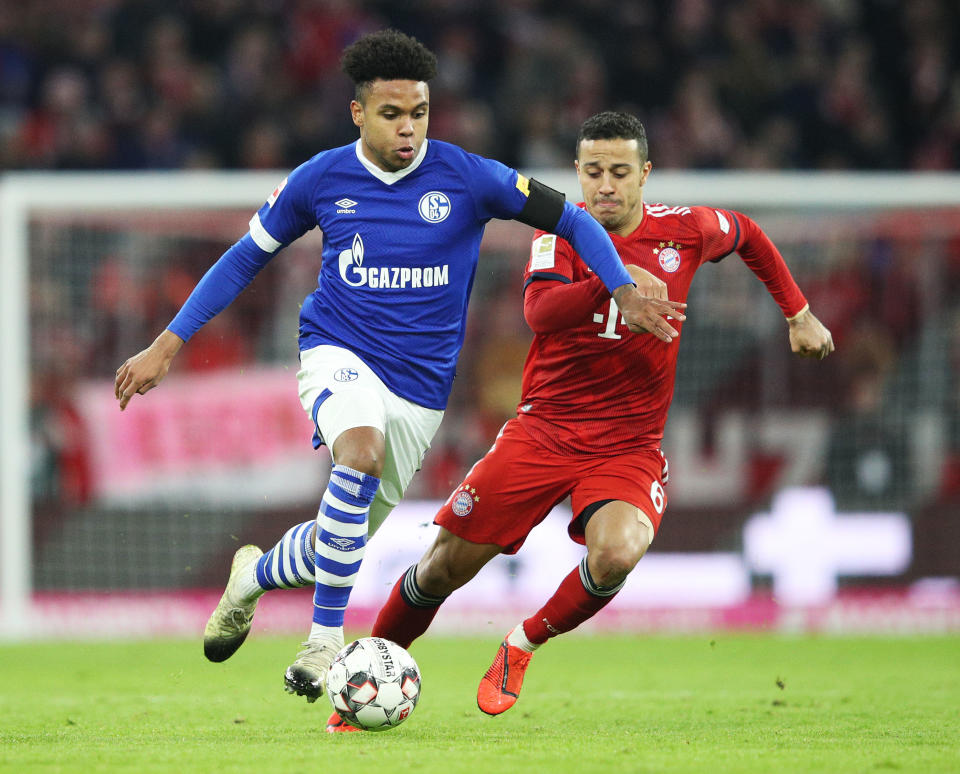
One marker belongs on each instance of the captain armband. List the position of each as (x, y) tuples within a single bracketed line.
[(544, 205)]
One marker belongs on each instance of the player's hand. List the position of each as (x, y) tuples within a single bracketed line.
[(145, 370), (648, 284), (648, 315), (809, 337)]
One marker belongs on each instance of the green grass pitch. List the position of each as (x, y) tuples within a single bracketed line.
[(697, 703)]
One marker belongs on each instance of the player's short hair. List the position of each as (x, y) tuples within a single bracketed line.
[(389, 55), (611, 125)]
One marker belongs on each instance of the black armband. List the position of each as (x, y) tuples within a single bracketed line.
[(543, 208)]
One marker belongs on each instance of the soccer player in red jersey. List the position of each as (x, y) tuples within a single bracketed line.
[(594, 404)]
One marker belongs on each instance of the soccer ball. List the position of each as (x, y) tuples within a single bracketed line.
[(373, 684)]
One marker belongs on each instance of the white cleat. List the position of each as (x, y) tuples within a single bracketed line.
[(306, 675), (230, 622)]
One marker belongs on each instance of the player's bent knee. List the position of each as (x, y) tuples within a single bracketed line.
[(361, 448), (367, 461), (611, 563), (612, 566)]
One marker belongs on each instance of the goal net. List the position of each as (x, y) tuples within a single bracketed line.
[(156, 499)]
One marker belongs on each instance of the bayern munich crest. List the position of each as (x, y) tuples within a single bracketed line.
[(462, 503), (669, 259)]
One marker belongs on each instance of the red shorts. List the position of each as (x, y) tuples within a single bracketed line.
[(519, 481)]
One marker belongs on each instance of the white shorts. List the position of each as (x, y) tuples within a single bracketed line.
[(339, 392)]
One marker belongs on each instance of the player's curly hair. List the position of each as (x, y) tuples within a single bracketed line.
[(387, 54), (611, 125)]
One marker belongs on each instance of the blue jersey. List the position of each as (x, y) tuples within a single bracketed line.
[(400, 251)]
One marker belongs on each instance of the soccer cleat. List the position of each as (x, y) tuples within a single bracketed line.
[(306, 675), (337, 725), (229, 624), (501, 685)]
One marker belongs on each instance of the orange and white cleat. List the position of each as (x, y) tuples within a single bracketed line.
[(500, 686), (337, 725)]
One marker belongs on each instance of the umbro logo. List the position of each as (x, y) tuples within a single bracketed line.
[(346, 206), (342, 543)]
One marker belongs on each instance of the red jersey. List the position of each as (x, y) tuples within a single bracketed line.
[(589, 384)]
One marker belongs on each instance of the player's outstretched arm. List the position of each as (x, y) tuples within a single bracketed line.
[(222, 283), (808, 336), (146, 369), (648, 315)]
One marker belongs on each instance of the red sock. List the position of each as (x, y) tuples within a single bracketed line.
[(570, 605), (400, 619)]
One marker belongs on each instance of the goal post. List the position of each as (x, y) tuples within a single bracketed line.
[(22, 197), (38, 211), (15, 534)]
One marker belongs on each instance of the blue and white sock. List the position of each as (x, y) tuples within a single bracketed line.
[(340, 544), (290, 563)]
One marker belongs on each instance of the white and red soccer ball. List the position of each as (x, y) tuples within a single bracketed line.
[(373, 684)]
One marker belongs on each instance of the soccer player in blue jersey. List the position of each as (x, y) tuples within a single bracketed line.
[(402, 219)]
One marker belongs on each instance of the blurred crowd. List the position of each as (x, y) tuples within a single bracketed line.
[(744, 84), (810, 84)]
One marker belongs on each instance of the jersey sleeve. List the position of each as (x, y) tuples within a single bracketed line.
[(550, 258), (764, 259), (720, 231), (284, 217), (222, 283), (593, 245), (501, 192), (288, 212), (727, 231), (556, 295), (498, 191)]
